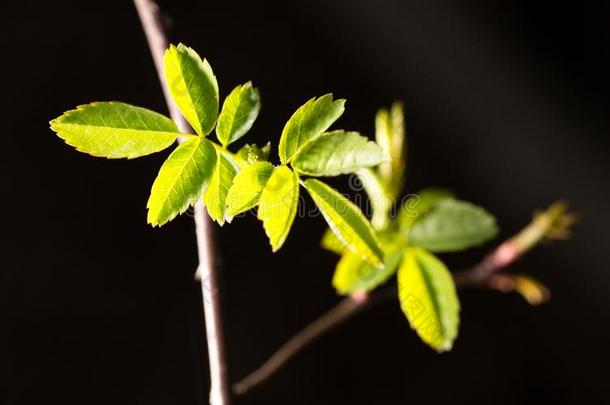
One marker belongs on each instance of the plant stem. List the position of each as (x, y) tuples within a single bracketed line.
[(542, 226), (340, 313), (153, 26)]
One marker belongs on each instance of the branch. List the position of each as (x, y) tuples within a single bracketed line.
[(152, 23), (554, 223), (346, 309)]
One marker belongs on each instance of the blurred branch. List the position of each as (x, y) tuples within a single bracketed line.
[(554, 223), (152, 23)]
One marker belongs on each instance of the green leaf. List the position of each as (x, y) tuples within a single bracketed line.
[(193, 86), (428, 298), (115, 130), (379, 199), (453, 225), (337, 152), (215, 196), (278, 204), (239, 111), (249, 154), (419, 205), (353, 275), (247, 187), (181, 180), (308, 122), (330, 242), (347, 221)]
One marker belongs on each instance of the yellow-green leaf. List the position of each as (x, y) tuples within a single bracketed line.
[(346, 221), (419, 205), (193, 86), (115, 130), (249, 154), (330, 242), (428, 298), (239, 111), (337, 152), (453, 225), (353, 275), (181, 180), (390, 134), (278, 204), (214, 197), (308, 122), (247, 187), (380, 200)]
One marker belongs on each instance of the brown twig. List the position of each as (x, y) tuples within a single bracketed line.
[(343, 311), (152, 24), (554, 221)]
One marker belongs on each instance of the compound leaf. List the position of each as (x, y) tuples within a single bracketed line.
[(193, 86), (337, 152), (309, 121), (115, 130), (453, 225), (428, 298), (239, 111), (278, 204), (215, 195), (346, 221), (247, 187), (181, 180)]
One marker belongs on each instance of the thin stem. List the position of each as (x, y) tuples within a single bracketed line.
[(545, 225), (340, 313), (152, 24)]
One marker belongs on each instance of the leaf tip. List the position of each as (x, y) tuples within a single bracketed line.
[(445, 347), (152, 222)]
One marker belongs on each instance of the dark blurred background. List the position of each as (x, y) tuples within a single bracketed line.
[(506, 103)]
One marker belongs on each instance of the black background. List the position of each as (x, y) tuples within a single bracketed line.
[(506, 103)]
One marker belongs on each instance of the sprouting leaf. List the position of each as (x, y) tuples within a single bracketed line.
[(337, 152), (193, 86), (331, 242), (278, 204), (346, 221), (248, 154), (453, 225), (115, 130), (214, 197), (181, 180), (383, 136), (379, 199), (397, 150), (239, 111), (309, 121), (354, 275), (427, 297), (390, 135), (534, 292), (247, 187), (419, 205)]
